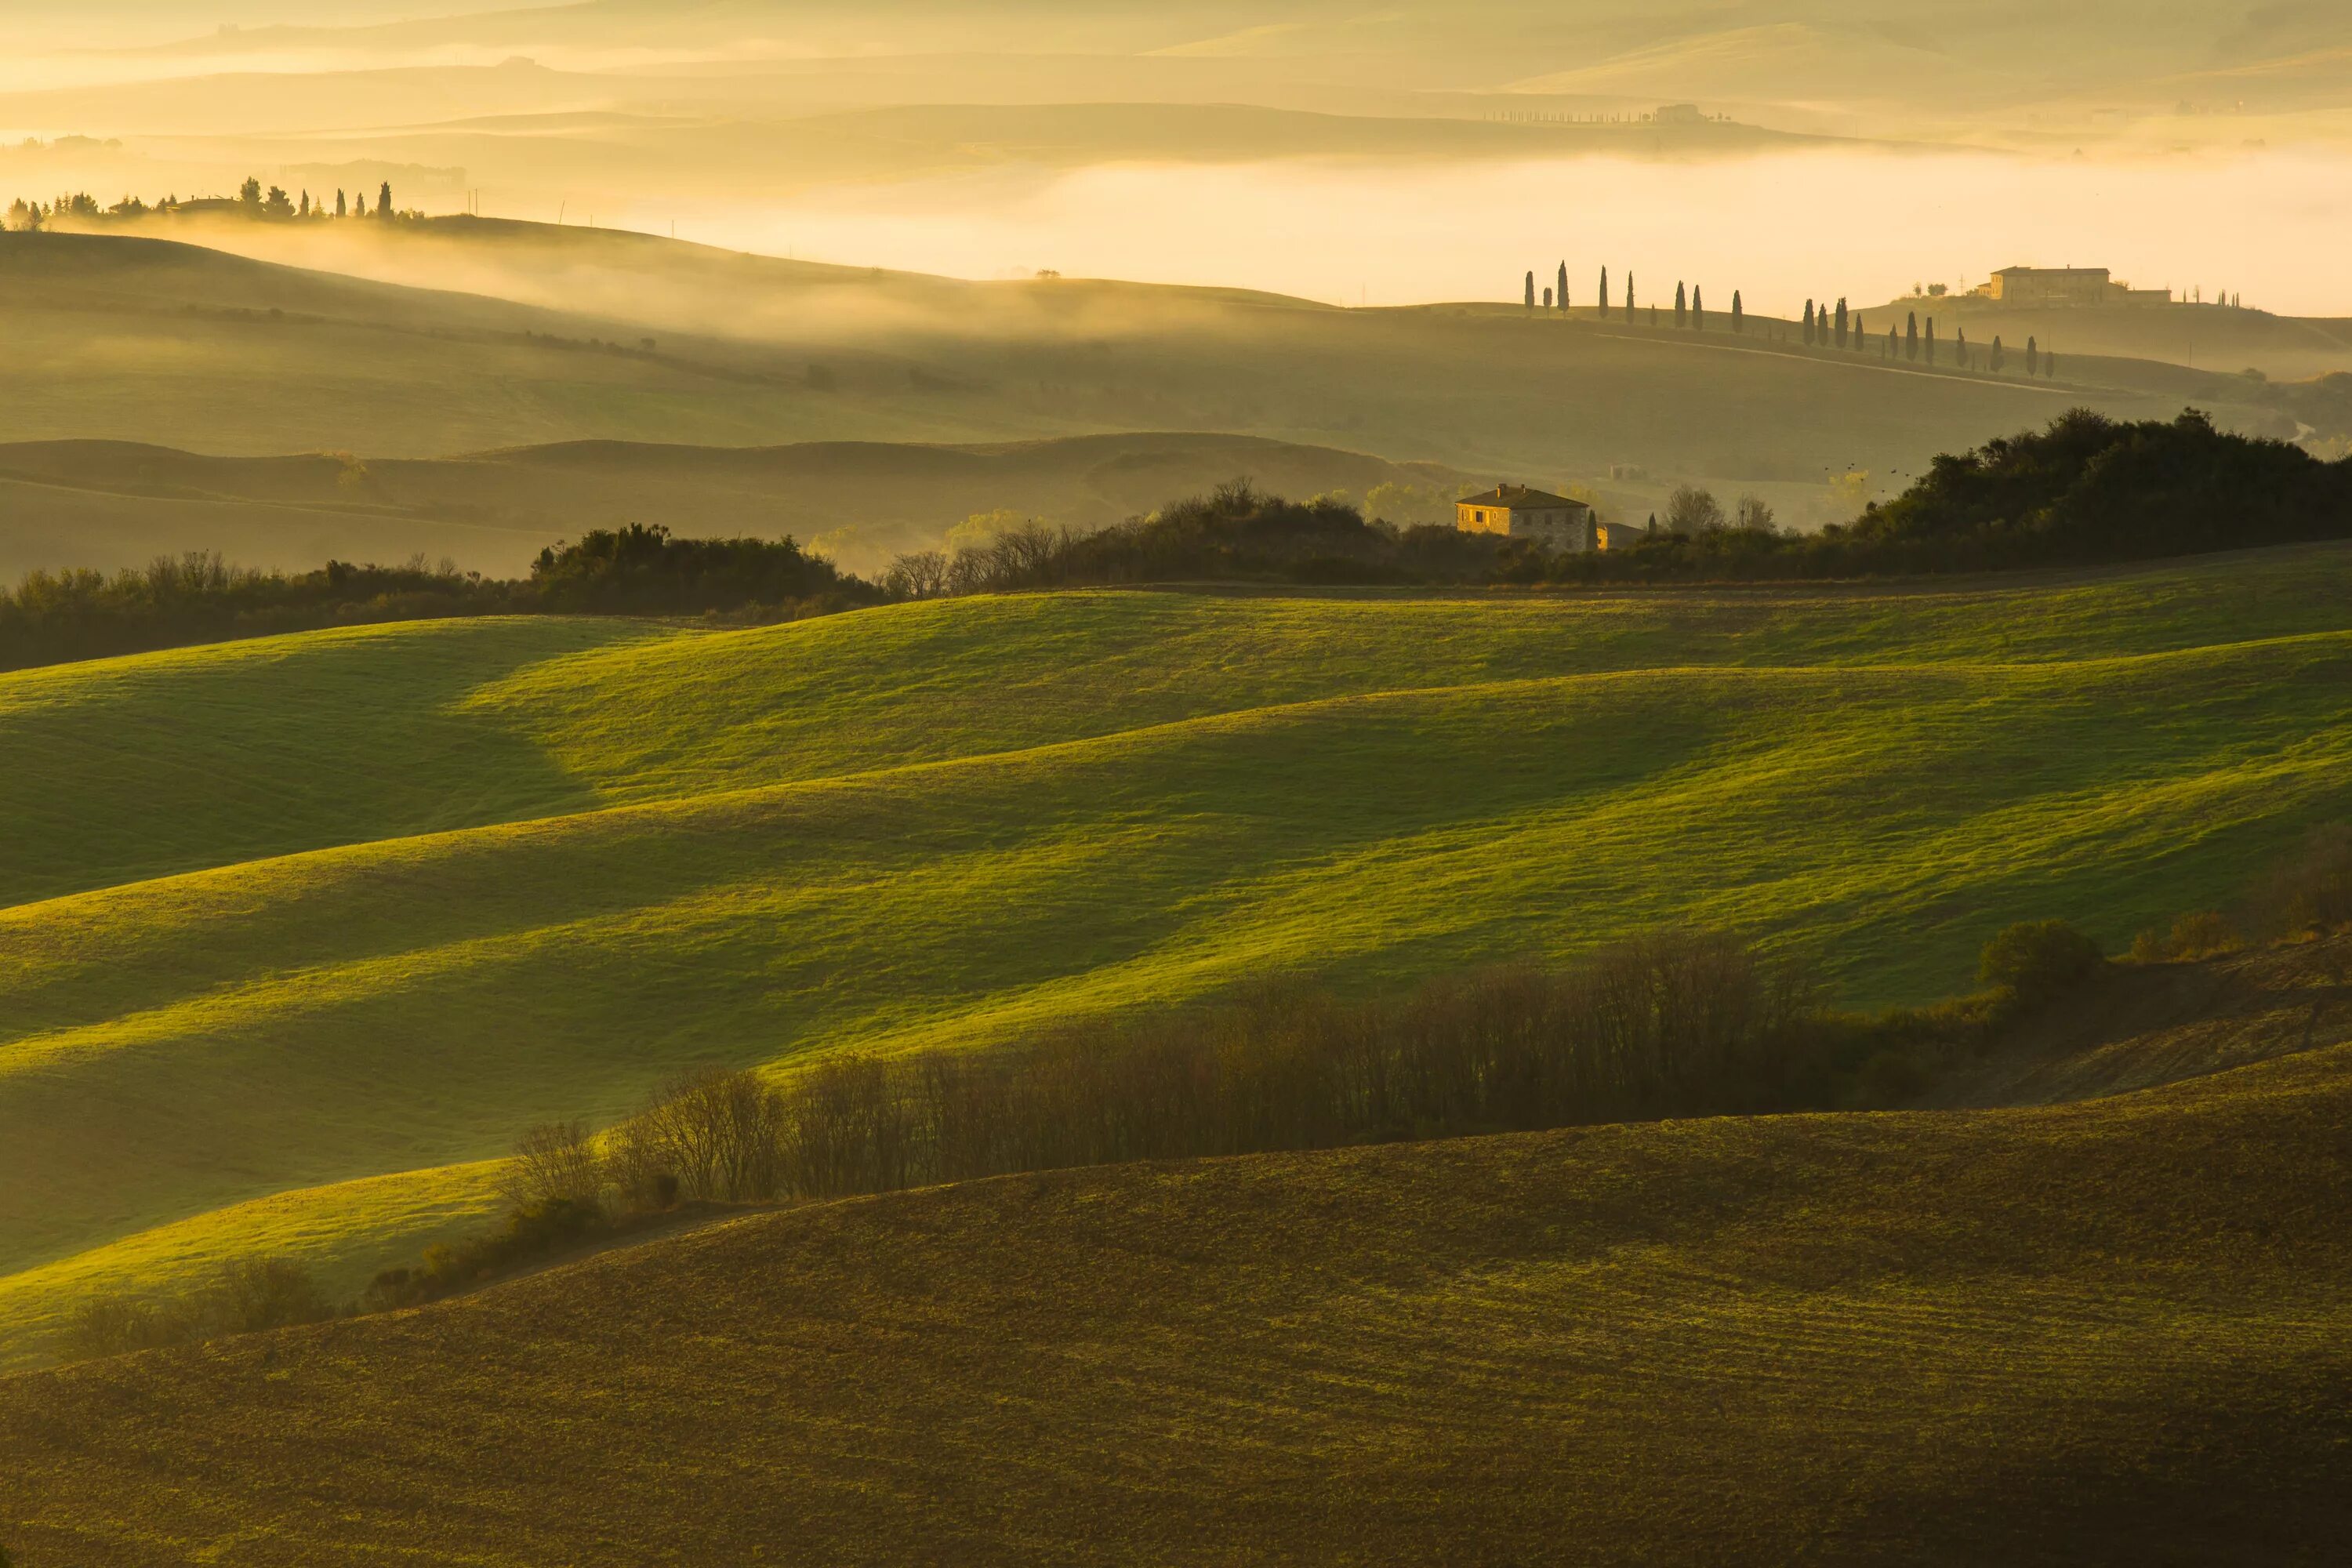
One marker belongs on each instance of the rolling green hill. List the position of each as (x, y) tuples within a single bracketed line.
[(355, 907), (2106, 1331)]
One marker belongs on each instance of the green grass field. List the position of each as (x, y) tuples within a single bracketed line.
[(355, 907), (2108, 1332)]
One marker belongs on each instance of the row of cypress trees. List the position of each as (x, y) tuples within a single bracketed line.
[(1843, 330), (1690, 301)]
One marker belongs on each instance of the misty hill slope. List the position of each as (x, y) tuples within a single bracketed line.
[(128, 339), (2099, 1333), (2201, 337), (755, 351), (107, 504), (421, 886)]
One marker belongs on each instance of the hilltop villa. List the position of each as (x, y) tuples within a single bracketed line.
[(1517, 512), (2028, 287)]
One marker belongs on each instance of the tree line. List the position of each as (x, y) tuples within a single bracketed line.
[(272, 203), (2084, 490), (52, 617)]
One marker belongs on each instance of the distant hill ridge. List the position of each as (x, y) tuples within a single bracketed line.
[(493, 510)]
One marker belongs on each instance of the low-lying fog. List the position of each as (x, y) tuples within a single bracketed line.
[(2270, 225)]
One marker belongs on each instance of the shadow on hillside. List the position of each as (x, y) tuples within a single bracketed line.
[(330, 742), (2138, 1025)]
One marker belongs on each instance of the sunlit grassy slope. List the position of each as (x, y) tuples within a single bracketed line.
[(305, 911), (2113, 1331)]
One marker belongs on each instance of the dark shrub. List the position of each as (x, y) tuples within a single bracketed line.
[(248, 1296), (2311, 889), (643, 570), (2038, 960), (530, 1233), (1890, 1077)]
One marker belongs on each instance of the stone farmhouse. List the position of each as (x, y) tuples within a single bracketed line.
[(1517, 512), (2032, 287)]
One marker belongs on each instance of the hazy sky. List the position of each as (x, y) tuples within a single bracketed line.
[(2180, 183), (1779, 228)]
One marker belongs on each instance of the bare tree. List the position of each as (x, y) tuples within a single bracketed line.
[(554, 1162), (1691, 510), (715, 1133), (921, 574)]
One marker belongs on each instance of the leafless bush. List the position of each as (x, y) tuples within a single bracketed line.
[(714, 1134), (556, 1160), (848, 1126), (1669, 1025)]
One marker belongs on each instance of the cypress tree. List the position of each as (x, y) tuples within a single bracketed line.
[(1546, 298), (1840, 322), (1682, 305), (1699, 311), (383, 201), (1563, 288), (1738, 318), (1994, 363), (2032, 358), (1861, 340), (1961, 347), (1809, 324), (1603, 307), (1911, 337), (343, 209), (1931, 339), (1629, 298), (1531, 289)]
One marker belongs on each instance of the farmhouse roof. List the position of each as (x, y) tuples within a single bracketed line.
[(1514, 496)]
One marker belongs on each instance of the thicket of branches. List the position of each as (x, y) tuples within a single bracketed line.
[(1671, 1025)]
